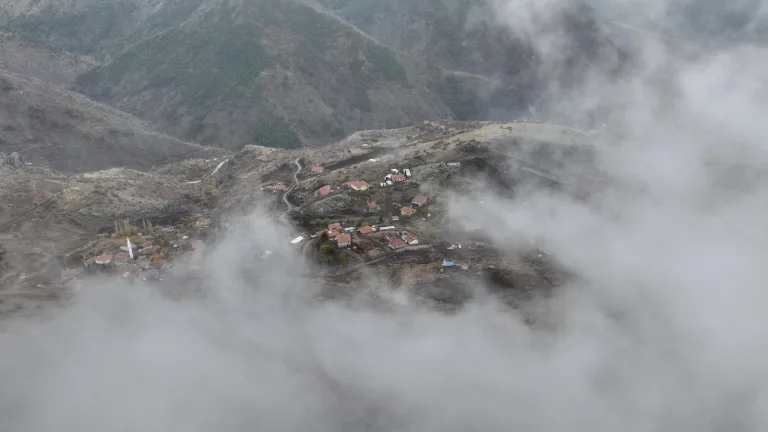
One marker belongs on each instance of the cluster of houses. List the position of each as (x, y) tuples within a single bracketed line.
[(405, 211), (402, 241), (342, 237), (339, 235), (396, 176), (140, 262), (417, 202)]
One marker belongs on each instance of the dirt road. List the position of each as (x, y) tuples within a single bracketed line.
[(293, 186), (218, 167)]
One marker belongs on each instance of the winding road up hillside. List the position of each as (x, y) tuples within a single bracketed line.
[(290, 206)]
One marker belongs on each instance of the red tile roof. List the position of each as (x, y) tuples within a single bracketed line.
[(344, 238), (398, 177), (396, 242), (103, 259), (325, 190), (336, 226), (122, 256), (419, 199), (357, 184), (407, 211), (150, 250), (280, 187), (333, 234), (365, 230), (317, 169)]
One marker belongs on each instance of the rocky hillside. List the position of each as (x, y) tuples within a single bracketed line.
[(21, 56), (51, 127), (292, 73), (475, 36), (280, 73), (461, 35), (47, 214), (273, 73), (92, 26)]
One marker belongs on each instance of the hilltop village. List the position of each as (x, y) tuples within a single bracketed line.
[(351, 206)]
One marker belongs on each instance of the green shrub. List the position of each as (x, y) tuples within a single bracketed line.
[(275, 132), (384, 62), (326, 248), (459, 97), (205, 66)]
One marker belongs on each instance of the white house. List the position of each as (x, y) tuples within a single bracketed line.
[(411, 240), (343, 240)]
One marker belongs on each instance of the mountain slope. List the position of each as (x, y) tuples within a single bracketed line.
[(477, 36), (256, 72), (93, 26), (279, 73), (23, 57), (461, 35), (52, 127), (47, 214)]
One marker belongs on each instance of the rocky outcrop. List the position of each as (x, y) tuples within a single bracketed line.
[(13, 160)]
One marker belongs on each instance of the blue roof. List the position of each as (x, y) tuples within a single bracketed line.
[(448, 263)]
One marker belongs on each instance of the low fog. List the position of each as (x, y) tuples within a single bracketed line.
[(662, 327)]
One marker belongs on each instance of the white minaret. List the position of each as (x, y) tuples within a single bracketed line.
[(130, 249)]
